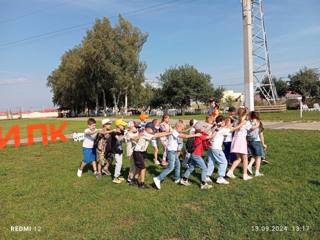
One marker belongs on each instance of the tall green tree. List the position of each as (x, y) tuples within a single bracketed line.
[(68, 83), (97, 57), (128, 68), (107, 63), (305, 82), (182, 84)]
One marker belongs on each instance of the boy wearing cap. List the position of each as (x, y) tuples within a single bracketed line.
[(117, 138), (139, 151), (102, 144)]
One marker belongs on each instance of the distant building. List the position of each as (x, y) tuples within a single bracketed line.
[(237, 96), (292, 95)]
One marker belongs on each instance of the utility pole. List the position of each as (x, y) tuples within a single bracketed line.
[(257, 71), (248, 59)]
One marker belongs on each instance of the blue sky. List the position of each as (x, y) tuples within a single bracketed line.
[(204, 33)]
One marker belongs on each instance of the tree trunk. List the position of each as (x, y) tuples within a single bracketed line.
[(97, 104), (104, 102), (182, 110), (198, 104), (126, 104), (115, 102)]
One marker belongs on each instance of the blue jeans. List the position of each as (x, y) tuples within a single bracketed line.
[(219, 157), (197, 161), (229, 156), (186, 159), (174, 164)]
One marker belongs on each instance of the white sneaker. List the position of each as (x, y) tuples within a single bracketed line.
[(156, 162), (184, 182), (259, 174), (177, 181), (230, 175), (250, 170), (221, 180), (208, 180), (79, 173), (206, 186), (157, 182), (247, 177)]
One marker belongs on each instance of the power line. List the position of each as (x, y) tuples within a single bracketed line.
[(33, 13), (82, 26)]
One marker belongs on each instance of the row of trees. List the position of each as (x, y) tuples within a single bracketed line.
[(305, 82), (106, 70)]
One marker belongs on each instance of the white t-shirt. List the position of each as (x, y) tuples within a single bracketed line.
[(130, 136), (88, 140), (173, 141), (216, 142), (143, 142)]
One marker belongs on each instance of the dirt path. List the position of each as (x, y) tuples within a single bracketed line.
[(293, 125)]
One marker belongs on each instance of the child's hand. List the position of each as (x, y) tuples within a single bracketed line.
[(198, 135), (265, 146)]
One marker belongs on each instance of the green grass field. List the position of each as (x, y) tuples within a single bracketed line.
[(39, 188)]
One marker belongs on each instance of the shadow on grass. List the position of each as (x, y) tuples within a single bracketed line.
[(314, 182)]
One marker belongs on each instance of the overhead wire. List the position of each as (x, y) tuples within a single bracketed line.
[(84, 25)]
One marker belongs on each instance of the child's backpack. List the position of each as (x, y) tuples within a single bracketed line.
[(108, 153), (97, 140), (190, 146)]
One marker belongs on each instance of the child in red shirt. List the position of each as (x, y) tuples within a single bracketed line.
[(197, 160)]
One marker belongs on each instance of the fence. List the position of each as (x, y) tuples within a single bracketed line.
[(271, 108)]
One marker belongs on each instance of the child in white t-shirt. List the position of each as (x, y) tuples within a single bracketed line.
[(88, 150), (215, 153), (172, 154)]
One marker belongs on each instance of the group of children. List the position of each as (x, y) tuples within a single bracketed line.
[(219, 140)]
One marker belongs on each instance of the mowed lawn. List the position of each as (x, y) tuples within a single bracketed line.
[(72, 126), (39, 188)]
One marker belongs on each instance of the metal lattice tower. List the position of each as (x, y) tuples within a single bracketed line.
[(261, 64)]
